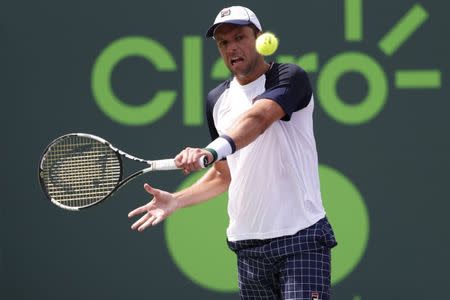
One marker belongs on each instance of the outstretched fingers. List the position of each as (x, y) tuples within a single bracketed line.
[(141, 221), (148, 222), (138, 211), (152, 191), (150, 217), (160, 207)]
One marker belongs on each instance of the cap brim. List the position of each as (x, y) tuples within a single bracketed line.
[(210, 32)]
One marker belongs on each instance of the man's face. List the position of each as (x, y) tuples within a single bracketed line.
[(236, 45)]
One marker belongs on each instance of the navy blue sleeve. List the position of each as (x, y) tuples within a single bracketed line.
[(289, 86)]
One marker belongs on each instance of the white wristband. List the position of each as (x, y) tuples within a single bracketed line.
[(221, 146)]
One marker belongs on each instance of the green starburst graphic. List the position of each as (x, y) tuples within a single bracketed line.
[(369, 107)]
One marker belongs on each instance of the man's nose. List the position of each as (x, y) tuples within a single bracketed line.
[(231, 47)]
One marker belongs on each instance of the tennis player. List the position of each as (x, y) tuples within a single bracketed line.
[(263, 153)]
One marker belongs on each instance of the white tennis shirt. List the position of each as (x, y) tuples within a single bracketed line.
[(274, 189)]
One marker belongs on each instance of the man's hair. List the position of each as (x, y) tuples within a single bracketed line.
[(254, 28)]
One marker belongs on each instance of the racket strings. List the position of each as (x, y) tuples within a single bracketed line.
[(79, 171)]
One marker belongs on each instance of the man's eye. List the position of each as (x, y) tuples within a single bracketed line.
[(239, 37)]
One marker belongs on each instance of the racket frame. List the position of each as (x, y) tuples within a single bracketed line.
[(155, 165)]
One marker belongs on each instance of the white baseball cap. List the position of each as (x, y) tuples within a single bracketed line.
[(238, 15)]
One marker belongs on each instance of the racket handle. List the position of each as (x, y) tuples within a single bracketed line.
[(169, 164), (162, 165)]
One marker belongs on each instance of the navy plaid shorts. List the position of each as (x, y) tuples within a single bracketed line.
[(287, 267)]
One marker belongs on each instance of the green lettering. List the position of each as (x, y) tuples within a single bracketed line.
[(103, 93), (193, 81), (219, 70), (376, 96), (309, 61)]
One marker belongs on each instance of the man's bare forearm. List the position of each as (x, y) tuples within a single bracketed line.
[(215, 181), (254, 122)]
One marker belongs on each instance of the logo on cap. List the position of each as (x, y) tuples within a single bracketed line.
[(225, 12)]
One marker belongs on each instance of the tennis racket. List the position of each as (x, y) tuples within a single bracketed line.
[(79, 170)]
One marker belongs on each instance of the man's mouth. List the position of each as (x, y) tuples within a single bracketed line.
[(236, 60)]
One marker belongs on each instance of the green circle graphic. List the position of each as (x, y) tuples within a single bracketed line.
[(102, 90), (196, 237), (349, 217), (370, 106)]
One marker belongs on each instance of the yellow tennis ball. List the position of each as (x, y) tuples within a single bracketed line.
[(266, 43)]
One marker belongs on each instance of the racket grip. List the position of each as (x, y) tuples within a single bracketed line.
[(169, 164), (163, 165)]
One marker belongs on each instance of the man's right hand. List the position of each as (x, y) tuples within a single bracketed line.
[(189, 159)]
